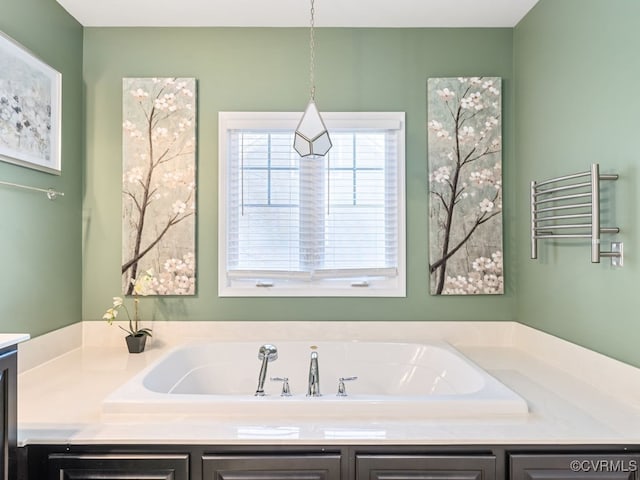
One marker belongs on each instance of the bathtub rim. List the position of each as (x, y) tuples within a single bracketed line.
[(495, 399)]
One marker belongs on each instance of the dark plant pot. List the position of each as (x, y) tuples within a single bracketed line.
[(136, 343)]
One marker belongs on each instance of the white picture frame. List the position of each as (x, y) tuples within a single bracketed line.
[(30, 109)]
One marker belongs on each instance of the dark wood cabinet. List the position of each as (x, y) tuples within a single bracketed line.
[(574, 467), (8, 412), (425, 467), (330, 462), (118, 467), (271, 467)]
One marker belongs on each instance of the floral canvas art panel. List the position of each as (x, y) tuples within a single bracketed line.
[(30, 109), (159, 184), (465, 185)]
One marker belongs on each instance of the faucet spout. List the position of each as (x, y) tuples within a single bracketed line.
[(314, 377), (267, 353)]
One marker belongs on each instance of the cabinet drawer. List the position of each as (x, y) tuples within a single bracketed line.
[(421, 467), (574, 467), (271, 467), (118, 467)]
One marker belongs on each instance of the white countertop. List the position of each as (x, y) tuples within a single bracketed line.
[(575, 396), (8, 339)]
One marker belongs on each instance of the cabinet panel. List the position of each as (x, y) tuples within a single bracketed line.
[(271, 467), (4, 445), (574, 467), (8, 413), (118, 467), (425, 467)]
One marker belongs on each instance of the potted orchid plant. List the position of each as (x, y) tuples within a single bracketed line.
[(136, 335)]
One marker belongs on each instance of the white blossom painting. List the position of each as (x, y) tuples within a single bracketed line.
[(465, 185), (159, 184), (30, 118)]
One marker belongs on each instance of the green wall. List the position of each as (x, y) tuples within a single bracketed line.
[(267, 69), (40, 240), (576, 65), (568, 69)]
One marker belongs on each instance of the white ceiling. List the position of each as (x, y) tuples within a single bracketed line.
[(295, 13)]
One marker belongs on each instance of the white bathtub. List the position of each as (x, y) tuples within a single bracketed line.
[(395, 380)]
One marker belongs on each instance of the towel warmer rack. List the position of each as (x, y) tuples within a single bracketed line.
[(569, 207)]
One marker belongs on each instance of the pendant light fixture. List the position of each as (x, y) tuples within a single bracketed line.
[(311, 137)]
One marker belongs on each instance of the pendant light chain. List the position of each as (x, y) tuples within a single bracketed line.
[(312, 56), (311, 138)]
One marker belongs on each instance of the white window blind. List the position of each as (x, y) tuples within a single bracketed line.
[(310, 227)]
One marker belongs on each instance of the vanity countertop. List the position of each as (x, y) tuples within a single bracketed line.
[(9, 339), (575, 396)]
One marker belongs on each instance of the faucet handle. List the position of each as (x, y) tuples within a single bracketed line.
[(286, 391), (342, 391)]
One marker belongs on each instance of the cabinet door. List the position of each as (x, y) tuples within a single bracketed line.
[(271, 467), (118, 467), (425, 467), (8, 412), (575, 467)]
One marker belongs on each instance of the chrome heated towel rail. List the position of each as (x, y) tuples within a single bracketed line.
[(569, 207)]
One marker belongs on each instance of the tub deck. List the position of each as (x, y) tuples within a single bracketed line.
[(574, 396)]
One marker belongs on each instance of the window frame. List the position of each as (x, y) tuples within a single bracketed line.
[(344, 287)]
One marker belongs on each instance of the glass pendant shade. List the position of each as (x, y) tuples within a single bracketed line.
[(311, 138)]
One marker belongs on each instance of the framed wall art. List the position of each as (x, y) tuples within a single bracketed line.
[(30, 109), (159, 184), (465, 185)]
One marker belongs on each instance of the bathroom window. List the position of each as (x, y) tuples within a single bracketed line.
[(332, 226)]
